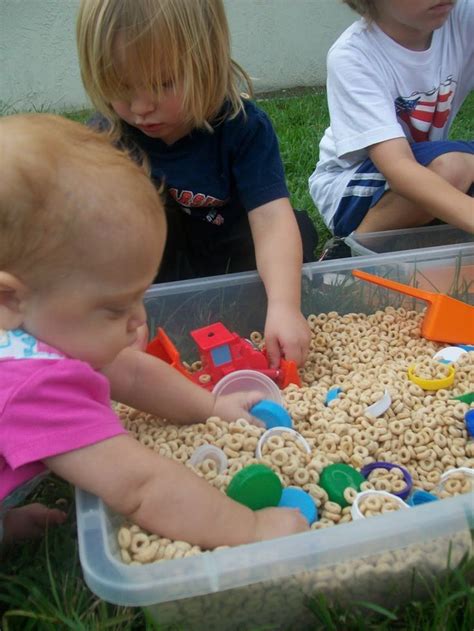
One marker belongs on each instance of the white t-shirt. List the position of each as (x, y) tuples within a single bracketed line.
[(378, 90)]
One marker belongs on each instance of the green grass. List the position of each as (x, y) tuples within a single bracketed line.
[(300, 122), (41, 586), (41, 589)]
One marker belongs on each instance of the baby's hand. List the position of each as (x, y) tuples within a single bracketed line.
[(230, 407), (287, 334), (279, 522)]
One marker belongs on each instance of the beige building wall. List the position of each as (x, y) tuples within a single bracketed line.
[(281, 43)]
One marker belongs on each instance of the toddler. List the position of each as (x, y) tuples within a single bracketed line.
[(82, 231), (161, 76), (396, 80)]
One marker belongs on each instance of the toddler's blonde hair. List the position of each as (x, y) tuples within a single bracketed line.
[(366, 8), (60, 181), (184, 41)]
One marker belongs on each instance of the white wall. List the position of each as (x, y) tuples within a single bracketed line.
[(281, 43)]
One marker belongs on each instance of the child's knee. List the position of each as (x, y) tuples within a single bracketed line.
[(456, 168)]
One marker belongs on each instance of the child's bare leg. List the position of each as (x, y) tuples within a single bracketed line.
[(30, 521), (394, 211)]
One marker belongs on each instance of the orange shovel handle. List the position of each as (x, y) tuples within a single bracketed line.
[(392, 284)]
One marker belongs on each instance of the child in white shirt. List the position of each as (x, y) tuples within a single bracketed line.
[(396, 80)]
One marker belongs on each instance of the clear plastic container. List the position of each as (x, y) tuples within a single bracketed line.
[(247, 380), (267, 583), (406, 239)]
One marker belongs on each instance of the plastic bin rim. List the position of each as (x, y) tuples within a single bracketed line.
[(404, 231), (221, 569), (317, 267), (362, 250)]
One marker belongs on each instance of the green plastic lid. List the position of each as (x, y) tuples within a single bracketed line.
[(465, 398), (335, 478), (256, 486)]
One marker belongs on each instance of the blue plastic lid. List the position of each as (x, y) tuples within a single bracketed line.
[(272, 414), (469, 420), (293, 497), (332, 394), (421, 497)]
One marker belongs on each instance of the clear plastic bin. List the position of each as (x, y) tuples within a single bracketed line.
[(407, 239), (380, 559)]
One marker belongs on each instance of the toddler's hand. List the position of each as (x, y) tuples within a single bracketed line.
[(287, 334), (230, 407), (279, 522)]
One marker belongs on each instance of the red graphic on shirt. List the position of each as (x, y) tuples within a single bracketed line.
[(422, 111), (195, 200), (189, 201)]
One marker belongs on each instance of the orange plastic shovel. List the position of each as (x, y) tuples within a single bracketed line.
[(446, 319)]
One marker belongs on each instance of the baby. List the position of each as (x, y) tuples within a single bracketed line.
[(82, 232)]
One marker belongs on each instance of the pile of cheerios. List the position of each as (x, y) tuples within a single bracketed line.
[(364, 355), (378, 504), (456, 483), (391, 481), (429, 368)]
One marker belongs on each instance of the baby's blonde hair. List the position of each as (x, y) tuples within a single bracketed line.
[(184, 41), (60, 181), (366, 8)]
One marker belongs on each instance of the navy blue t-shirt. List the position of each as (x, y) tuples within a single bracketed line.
[(221, 175)]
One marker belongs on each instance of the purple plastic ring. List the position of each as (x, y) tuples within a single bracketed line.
[(404, 493)]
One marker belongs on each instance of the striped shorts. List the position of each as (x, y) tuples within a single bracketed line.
[(367, 185)]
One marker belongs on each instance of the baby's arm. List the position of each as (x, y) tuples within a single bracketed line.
[(166, 498), (279, 257), (151, 385), (430, 192)]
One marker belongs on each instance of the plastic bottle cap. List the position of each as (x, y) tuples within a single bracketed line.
[(256, 486), (421, 497), (277, 431), (449, 354), (469, 420), (294, 497), (205, 452), (432, 384), (332, 394), (272, 414), (388, 466), (380, 406), (335, 478), (467, 470), (355, 510), (465, 398)]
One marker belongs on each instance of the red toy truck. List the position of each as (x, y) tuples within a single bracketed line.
[(221, 353)]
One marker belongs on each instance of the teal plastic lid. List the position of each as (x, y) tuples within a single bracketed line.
[(272, 414), (294, 497), (335, 478), (255, 486)]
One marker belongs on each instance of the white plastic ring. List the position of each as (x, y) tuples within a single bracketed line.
[(210, 452), (355, 510), (278, 431), (449, 354), (447, 474), (380, 406)]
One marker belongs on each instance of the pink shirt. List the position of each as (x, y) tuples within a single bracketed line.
[(49, 404)]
